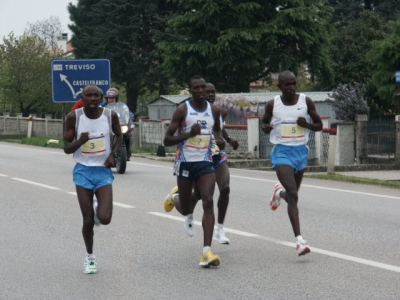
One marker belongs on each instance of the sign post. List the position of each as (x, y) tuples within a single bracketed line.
[(70, 76), (398, 87)]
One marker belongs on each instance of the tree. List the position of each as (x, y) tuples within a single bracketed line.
[(349, 10), (349, 101), (385, 56), (389, 9), (351, 44), (126, 32), (48, 30), (25, 73), (232, 43)]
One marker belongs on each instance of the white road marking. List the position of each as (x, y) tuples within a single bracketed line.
[(3, 175), (36, 183), (123, 205), (293, 245), (322, 188)]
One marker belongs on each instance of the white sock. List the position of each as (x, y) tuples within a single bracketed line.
[(220, 226), (190, 217), (299, 239), (205, 249), (91, 256), (278, 193), (175, 198)]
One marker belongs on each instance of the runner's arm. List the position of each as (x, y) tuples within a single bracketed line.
[(266, 126), (70, 144), (317, 122), (170, 139)]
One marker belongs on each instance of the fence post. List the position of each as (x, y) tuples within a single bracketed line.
[(332, 150), (5, 116), (253, 136), (397, 155), (361, 137), (319, 148), (30, 125), (345, 144)]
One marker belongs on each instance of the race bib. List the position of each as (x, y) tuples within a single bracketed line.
[(96, 145), (290, 130), (200, 141)]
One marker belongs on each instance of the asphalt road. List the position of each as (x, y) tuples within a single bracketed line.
[(353, 231)]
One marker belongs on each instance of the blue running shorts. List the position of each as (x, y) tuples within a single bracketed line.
[(294, 156), (92, 178), (193, 170), (219, 159)]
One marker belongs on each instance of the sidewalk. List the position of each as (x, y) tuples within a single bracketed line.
[(381, 175)]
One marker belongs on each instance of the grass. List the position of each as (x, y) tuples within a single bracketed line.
[(38, 141), (144, 150), (338, 177)]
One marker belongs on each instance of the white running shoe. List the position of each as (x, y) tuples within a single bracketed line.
[(189, 226), (95, 205), (90, 266), (276, 198), (220, 236), (302, 248)]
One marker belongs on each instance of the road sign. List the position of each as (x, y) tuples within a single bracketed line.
[(398, 76), (70, 76)]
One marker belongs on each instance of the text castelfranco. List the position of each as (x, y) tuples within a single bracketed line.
[(90, 82)]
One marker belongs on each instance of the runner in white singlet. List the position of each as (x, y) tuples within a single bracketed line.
[(88, 136), (288, 120)]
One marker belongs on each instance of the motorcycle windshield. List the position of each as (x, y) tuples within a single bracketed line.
[(122, 111)]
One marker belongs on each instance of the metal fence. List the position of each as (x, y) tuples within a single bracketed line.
[(381, 136)]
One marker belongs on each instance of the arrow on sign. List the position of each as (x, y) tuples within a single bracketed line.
[(64, 78)]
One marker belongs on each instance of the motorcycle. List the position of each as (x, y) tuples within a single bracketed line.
[(127, 126)]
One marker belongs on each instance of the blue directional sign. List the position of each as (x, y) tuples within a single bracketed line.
[(398, 76), (70, 76)]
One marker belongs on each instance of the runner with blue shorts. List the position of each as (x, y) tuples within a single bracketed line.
[(88, 135), (288, 119)]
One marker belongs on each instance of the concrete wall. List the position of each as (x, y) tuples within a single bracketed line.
[(40, 127), (345, 144)]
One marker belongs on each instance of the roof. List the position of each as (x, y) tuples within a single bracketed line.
[(251, 97), (267, 96), (173, 98)]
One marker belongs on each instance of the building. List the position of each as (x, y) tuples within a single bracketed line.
[(239, 105)]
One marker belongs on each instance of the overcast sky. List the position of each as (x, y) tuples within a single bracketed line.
[(15, 14)]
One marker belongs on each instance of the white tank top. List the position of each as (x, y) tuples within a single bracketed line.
[(197, 148), (95, 151), (284, 118)]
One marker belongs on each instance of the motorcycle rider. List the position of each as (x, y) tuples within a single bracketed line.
[(112, 103)]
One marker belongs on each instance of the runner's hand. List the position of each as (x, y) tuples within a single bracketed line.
[(234, 144), (302, 122), (195, 130)]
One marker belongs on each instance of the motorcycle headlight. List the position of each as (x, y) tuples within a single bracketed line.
[(124, 129)]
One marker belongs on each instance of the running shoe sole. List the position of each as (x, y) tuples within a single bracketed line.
[(168, 202), (305, 251)]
